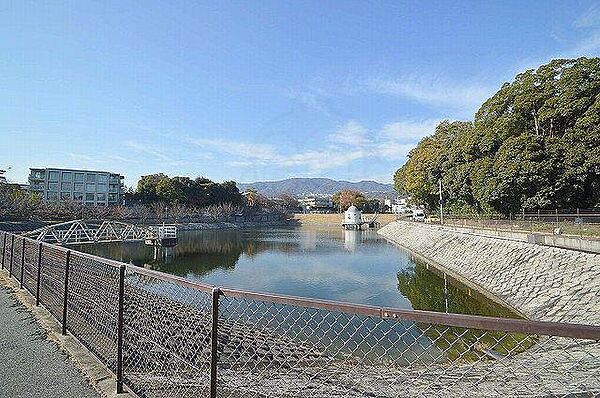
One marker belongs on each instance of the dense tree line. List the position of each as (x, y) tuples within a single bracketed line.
[(158, 197), (199, 192), (534, 144)]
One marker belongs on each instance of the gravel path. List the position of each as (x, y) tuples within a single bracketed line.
[(30, 365)]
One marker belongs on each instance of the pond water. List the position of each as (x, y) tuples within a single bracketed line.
[(328, 263)]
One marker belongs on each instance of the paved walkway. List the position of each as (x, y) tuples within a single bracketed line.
[(30, 365)]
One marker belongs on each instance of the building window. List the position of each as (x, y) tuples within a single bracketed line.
[(65, 195), (38, 174), (80, 177), (100, 187), (79, 186), (113, 188), (102, 178), (53, 175), (67, 176), (78, 196), (90, 187), (52, 195), (101, 197), (90, 177), (65, 186), (53, 186), (112, 197), (89, 197)]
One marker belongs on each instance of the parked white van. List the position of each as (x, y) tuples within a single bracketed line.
[(418, 215)]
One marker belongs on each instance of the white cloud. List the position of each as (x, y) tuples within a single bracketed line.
[(394, 150), (590, 18), (100, 159), (148, 150), (409, 130), (349, 143), (323, 159), (350, 133), (434, 91), (586, 47), (260, 152)]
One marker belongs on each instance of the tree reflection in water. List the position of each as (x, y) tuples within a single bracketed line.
[(425, 290)]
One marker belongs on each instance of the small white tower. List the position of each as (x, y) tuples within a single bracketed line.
[(352, 218)]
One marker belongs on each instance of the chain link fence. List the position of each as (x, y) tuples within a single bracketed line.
[(165, 336), (584, 224)]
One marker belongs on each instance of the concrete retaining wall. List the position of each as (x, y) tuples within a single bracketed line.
[(541, 282)]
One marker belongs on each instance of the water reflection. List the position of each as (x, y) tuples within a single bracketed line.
[(328, 263)]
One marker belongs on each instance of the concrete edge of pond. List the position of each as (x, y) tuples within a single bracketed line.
[(428, 262), (542, 283), (96, 374)]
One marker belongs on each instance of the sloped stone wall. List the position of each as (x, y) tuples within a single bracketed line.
[(541, 282)]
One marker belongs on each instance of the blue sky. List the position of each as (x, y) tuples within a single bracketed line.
[(260, 90)]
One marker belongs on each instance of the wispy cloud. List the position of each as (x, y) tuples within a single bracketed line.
[(100, 158), (147, 150), (590, 18), (349, 133), (257, 151), (588, 46), (409, 131), (434, 91), (349, 143), (322, 159)]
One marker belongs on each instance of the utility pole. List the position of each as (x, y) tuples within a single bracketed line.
[(441, 202)]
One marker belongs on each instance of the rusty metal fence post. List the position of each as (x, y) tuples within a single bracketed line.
[(12, 252), (3, 248), (120, 329), (66, 293), (39, 274), (22, 262), (216, 292)]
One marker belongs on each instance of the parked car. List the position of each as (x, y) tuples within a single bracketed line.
[(418, 215)]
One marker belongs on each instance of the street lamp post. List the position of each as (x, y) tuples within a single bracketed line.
[(441, 202)]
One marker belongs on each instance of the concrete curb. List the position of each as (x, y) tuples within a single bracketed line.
[(96, 374)]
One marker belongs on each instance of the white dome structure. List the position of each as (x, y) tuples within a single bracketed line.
[(352, 216)]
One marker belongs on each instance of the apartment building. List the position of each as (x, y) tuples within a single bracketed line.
[(100, 188), (316, 204)]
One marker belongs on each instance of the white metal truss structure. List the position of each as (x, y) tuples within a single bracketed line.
[(80, 231)]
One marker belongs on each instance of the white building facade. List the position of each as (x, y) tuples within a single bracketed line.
[(98, 188)]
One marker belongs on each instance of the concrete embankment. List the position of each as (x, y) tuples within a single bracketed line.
[(541, 282)]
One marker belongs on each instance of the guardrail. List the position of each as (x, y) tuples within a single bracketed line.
[(584, 225), (166, 336)]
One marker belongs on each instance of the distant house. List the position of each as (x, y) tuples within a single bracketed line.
[(397, 206), (316, 204), (2, 177)]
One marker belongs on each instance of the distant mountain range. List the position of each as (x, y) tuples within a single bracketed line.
[(321, 186)]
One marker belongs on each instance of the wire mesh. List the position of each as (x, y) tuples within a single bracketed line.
[(16, 257), (93, 298), (272, 346), (166, 338), (270, 349), (30, 266), (52, 286)]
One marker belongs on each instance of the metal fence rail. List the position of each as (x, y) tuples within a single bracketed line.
[(165, 336), (575, 224)]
